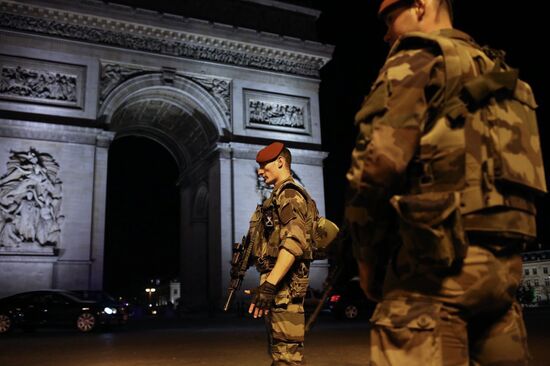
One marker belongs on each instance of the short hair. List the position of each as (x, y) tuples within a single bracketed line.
[(448, 4), (287, 156)]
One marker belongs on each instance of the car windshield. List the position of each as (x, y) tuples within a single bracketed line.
[(93, 296), (71, 296)]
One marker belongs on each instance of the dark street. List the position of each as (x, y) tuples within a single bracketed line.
[(223, 341)]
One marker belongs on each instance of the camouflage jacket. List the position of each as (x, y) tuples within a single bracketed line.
[(398, 117), (283, 219)]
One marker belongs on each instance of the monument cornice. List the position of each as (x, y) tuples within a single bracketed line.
[(168, 35)]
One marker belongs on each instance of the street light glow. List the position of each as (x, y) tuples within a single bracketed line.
[(150, 291)]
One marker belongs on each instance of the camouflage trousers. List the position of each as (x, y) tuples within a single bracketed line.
[(285, 326), (467, 318)]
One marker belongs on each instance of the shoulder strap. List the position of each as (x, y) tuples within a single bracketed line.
[(295, 186), (455, 60)]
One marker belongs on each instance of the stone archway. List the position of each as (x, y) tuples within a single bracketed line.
[(179, 113), (142, 223), (187, 120)]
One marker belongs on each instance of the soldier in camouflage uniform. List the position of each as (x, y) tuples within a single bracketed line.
[(448, 156), (283, 252)]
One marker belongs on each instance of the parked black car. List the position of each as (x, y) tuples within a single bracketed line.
[(94, 295), (348, 301), (29, 310)]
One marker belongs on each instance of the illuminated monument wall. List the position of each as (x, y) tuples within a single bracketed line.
[(75, 76)]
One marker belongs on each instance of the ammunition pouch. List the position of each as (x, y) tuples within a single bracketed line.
[(431, 230), (265, 264), (299, 281)]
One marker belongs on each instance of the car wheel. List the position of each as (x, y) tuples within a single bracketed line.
[(5, 324), (86, 322), (351, 311)]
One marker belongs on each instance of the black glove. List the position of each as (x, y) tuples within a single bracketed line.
[(263, 295)]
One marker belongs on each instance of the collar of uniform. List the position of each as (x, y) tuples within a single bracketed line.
[(453, 33), (280, 184)]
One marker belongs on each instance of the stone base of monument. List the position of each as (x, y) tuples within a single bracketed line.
[(26, 269), (28, 249)]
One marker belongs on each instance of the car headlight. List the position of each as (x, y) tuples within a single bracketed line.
[(109, 310)]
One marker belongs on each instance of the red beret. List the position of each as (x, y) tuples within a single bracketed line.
[(270, 152)]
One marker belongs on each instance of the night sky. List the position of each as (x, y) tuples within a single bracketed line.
[(143, 210)]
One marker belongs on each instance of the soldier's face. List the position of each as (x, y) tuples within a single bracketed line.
[(400, 20), (269, 171)]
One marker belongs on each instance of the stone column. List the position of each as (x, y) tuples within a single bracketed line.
[(98, 215), (194, 254)]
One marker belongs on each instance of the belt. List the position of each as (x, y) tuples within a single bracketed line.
[(499, 244)]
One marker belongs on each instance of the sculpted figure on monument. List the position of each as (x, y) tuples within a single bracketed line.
[(26, 217), (30, 200)]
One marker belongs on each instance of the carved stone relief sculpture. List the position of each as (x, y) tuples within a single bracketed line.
[(113, 74), (38, 81), (218, 88), (30, 203), (34, 84), (116, 33), (277, 112)]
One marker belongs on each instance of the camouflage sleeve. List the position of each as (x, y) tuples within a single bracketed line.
[(390, 122), (293, 215)]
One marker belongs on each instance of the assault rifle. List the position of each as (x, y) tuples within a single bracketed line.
[(332, 277), (339, 250), (239, 265)]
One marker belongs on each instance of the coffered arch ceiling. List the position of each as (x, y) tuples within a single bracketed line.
[(180, 115)]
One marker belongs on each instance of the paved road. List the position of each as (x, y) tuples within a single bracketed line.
[(221, 341)]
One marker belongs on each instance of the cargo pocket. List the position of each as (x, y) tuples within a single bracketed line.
[(299, 282), (255, 224), (255, 220), (406, 333), (282, 299), (431, 230)]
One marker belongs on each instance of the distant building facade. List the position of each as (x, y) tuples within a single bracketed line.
[(536, 275)]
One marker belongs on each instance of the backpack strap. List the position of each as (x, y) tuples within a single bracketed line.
[(290, 184), (296, 187), (455, 63)]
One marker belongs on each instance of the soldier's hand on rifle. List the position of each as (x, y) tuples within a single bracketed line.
[(262, 298)]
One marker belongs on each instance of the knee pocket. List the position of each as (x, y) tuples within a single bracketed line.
[(408, 328)]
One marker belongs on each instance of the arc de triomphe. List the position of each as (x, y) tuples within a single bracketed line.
[(77, 75)]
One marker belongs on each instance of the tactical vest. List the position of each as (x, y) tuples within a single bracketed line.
[(479, 162), (267, 217)]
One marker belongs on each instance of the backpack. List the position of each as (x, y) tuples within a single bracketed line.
[(497, 112), (486, 125)]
